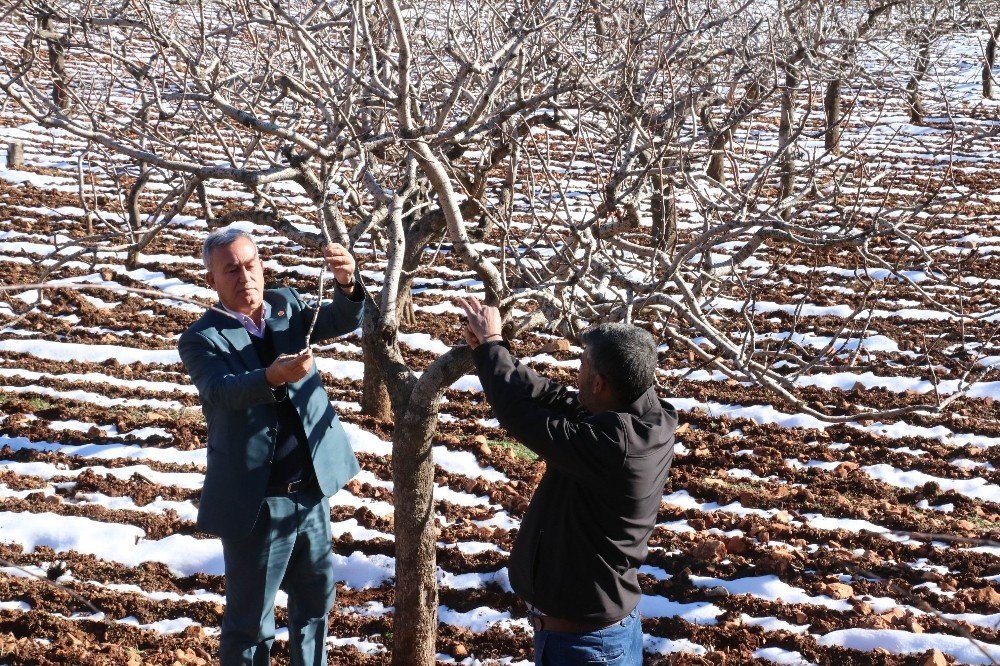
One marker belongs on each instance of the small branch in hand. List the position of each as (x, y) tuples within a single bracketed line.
[(312, 326)]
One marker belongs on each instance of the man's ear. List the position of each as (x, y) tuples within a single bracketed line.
[(600, 385), (210, 279)]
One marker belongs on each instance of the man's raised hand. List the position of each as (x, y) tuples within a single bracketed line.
[(483, 322), (341, 263)]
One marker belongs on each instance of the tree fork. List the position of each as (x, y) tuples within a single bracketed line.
[(135, 217), (416, 603)]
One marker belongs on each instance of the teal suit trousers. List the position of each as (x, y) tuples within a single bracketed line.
[(288, 548), (269, 541)]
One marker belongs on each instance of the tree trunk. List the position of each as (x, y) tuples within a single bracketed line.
[(374, 394), (990, 61), (914, 100), (404, 306), (132, 258), (831, 109), (415, 617), (57, 63), (135, 218), (15, 155), (598, 13), (717, 162), (786, 184), (664, 213), (416, 603), (717, 151)]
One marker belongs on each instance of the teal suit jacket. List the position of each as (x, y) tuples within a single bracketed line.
[(238, 405)]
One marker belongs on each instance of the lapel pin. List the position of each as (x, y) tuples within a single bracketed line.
[(281, 313)]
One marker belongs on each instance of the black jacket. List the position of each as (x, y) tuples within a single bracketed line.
[(586, 529)]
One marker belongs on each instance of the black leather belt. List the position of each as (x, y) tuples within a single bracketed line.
[(549, 623), (293, 487)]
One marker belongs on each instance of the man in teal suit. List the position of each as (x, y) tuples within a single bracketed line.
[(276, 449)]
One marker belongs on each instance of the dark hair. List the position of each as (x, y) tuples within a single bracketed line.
[(624, 355), (221, 238)]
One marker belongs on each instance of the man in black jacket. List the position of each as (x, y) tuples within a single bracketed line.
[(608, 449)]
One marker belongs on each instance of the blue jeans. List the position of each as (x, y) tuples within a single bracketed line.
[(617, 645)]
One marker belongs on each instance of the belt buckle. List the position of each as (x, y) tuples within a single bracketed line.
[(537, 622)]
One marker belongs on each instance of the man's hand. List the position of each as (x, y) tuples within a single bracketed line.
[(289, 368), (341, 264), (482, 322)]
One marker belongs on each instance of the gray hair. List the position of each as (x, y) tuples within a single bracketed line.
[(624, 355), (221, 238)]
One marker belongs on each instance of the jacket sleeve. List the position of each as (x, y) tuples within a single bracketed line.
[(217, 384), (547, 418), (549, 394), (340, 316)]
